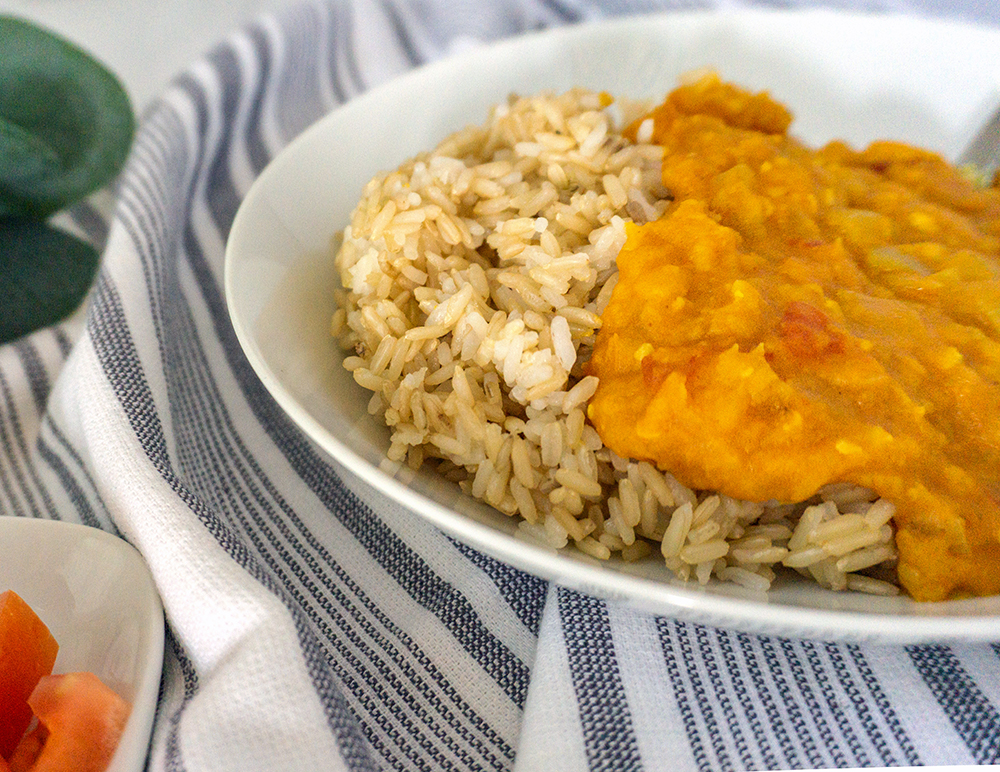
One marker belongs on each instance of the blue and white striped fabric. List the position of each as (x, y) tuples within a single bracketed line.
[(313, 625)]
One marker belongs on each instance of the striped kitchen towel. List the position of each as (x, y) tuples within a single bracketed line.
[(312, 623)]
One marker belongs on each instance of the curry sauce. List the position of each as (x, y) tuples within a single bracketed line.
[(799, 317)]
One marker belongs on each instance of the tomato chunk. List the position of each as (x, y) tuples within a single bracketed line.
[(27, 652), (27, 750), (84, 719)]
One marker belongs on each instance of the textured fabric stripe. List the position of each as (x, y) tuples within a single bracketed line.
[(79, 478), (854, 754), (692, 703), (63, 341), (809, 693), (787, 680), (395, 556), (777, 716), (788, 657), (840, 659), (118, 357), (28, 368), (237, 481), (215, 302), (607, 721), (752, 702), (402, 32), (91, 221), (216, 307), (251, 142), (11, 502), (341, 721), (739, 699), (38, 380), (24, 481), (974, 717), (727, 736), (880, 701), (80, 506), (563, 11), (175, 654), (525, 593), (345, 73)]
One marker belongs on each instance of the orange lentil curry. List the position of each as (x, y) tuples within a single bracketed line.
[(799, 317)]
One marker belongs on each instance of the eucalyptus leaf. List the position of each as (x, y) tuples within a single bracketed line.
[(27, 155), (66, 123), (45, 274)]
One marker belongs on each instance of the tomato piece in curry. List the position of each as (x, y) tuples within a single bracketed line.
[(799, 317)]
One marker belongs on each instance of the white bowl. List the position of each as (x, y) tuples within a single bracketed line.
[(850, 76), (95, 594)]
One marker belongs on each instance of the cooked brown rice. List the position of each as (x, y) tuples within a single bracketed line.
[(474, 278)]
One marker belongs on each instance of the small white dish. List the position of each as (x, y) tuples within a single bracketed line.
[(850, 76), (97, 597)]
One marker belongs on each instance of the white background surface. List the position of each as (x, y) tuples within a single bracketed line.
[(144, 42)]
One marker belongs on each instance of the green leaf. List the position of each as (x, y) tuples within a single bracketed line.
[(66, 123), (45, 274), (27, 154)]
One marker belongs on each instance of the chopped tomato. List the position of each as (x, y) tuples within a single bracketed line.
[(27, 652), (27, 750), (84, 720)]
